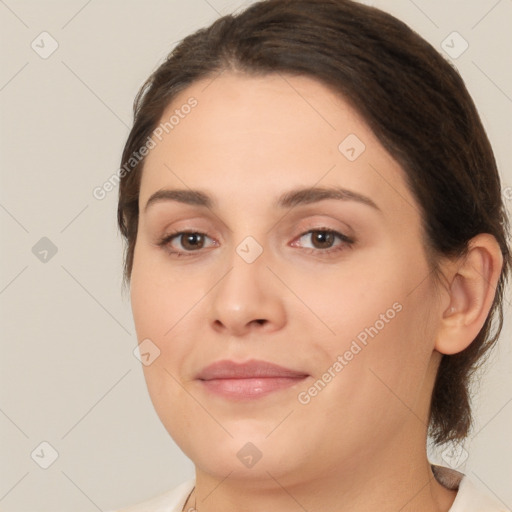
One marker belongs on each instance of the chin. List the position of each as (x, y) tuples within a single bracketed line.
[(250, 453)]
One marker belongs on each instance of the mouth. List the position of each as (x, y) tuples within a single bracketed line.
[(253, 379)]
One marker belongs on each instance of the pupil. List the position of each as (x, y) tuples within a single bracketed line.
[(324, 237), (189, 240)]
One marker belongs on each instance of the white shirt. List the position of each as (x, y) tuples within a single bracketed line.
[(470, 498)]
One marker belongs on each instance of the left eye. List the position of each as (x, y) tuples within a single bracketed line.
[(323, 240)]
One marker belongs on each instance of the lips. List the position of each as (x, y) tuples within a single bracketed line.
[(251, 369), (251, 379)]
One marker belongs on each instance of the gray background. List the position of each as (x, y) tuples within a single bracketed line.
[(68, 374)]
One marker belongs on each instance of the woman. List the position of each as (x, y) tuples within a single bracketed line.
[(316, 251)]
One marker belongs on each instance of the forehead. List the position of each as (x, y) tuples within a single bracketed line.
[(252, 137)]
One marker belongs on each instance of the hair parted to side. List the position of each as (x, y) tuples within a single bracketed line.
[(409, 95)]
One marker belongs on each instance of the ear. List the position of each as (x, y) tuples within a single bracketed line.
[(472, 288)]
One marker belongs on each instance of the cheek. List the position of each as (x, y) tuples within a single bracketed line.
[(158, 299), (379, 372), (360, 302), (379, 316), (393, 366), (157, 309)]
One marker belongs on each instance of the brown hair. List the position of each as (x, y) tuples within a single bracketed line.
[(409, 95)]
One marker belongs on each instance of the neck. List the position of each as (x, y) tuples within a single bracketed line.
[(395, 479)]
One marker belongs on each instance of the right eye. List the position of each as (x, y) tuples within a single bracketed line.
[(190, 241)]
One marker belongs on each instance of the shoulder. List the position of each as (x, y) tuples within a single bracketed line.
[(472, 498), (170, 501)]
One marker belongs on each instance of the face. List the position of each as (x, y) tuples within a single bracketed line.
[(303, 249)]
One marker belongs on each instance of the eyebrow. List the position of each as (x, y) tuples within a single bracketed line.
[(289, 199)]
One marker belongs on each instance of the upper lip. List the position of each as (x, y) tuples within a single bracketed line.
[(226, 369)]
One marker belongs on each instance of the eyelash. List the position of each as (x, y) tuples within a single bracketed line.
[(347, 242)]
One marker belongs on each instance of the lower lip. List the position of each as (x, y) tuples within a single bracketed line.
[(249, 388)]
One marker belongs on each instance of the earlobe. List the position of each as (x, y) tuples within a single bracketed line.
[(473, 281)]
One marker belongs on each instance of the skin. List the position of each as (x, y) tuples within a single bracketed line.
[(359, 444)]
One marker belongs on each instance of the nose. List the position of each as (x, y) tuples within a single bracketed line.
[(247, 299)]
